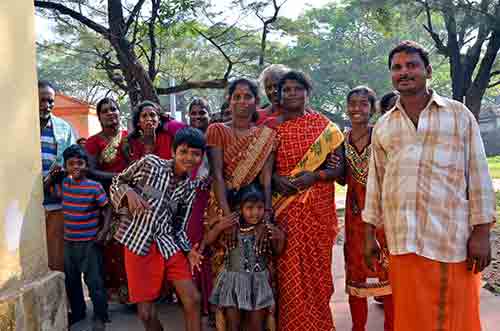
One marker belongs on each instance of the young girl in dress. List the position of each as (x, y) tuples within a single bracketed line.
[(243, 288)]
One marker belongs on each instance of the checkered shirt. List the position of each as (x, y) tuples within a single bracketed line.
[(429, 186), (170, 206)]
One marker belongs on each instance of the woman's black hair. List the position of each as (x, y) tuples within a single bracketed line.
[(105, 101), (252, 85), (364, 91), (75, 151), (136, 131), (203, 103), (388, 101), (192, 137), (297, 76)]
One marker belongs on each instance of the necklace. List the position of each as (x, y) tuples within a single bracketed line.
[(353, 141)]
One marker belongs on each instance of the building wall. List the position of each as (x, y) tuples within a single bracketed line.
[(22, 228)]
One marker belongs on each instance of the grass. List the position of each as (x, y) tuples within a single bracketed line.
[(494, 165)]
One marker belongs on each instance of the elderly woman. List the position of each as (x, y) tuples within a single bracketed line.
[(305, 207), (268, 81)]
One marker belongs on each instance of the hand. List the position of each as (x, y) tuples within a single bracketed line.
[(54, 172), (226, 222), (230, 234), (304, 180), (372, 249), (479, 248), (195, 258), (333, 161), (102, 236), (284, 186), (275, 233), (136, 203), (261, 239)]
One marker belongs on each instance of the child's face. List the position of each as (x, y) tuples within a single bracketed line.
[(76, 167), (359, 108), (186, 159), (253, 211)]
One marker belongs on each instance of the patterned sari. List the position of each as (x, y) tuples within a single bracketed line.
[(305, 284), (357, 273), (244, 158), (110, 156)]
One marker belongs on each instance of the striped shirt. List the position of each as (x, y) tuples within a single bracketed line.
[(49, 148), (429, 186), (81, 201), (170, 202)]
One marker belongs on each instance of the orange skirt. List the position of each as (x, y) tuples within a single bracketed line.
[(431, 295)]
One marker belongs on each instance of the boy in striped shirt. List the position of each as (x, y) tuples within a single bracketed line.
[(84, 201)]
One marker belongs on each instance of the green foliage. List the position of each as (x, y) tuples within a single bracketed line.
[(494, 166)]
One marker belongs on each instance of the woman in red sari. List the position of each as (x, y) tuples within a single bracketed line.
[(239, 154), (107, 158), (153, 132), (360, 106), (305, 208)]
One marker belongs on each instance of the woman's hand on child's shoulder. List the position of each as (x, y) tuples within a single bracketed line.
[(226, 222)]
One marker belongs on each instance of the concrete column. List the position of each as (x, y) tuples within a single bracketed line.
[(32, 298)]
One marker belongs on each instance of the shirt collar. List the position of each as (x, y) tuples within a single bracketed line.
[(435, 98)]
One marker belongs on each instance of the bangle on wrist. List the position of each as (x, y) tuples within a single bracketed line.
[(322, 175)]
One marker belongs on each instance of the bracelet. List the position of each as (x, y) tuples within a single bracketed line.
[(322, 175)]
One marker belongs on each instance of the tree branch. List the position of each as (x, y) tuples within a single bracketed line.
[(203, 84), (265, 30), (441, 47), (494, 84), (152, 70), (228, 59), (134, 13), (73, 14)]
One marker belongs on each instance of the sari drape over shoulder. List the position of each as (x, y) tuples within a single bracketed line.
[(310, 221), (111, 157)]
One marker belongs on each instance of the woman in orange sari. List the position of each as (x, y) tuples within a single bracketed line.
[(107, 158), (357, 145), (305, 208), (239, 154)]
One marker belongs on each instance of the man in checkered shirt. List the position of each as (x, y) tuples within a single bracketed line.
[(430, 188)]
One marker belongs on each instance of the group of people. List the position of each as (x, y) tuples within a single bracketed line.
[(238, 216)]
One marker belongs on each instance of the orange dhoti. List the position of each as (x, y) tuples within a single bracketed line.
[(430, 295)]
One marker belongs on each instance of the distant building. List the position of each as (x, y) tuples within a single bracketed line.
[(489, 124), (81, 115)]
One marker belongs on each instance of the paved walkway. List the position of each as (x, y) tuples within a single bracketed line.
[(171, 315)]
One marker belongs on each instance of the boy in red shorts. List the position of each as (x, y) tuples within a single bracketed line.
[(159, 194)]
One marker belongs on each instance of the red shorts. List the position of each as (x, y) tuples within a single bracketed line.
[(146, 274)]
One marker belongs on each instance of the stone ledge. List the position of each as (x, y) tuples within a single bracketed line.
[(37, 306)]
